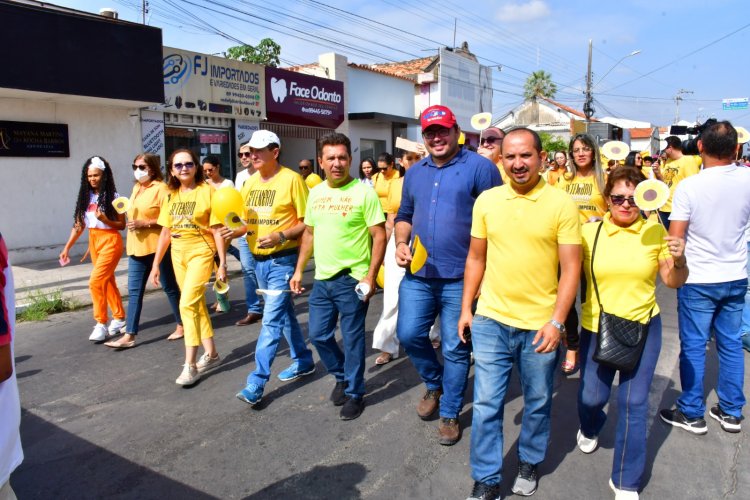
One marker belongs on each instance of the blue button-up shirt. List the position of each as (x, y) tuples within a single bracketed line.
[(438, 201)]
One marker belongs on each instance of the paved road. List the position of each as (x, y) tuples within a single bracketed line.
[(104, 424)]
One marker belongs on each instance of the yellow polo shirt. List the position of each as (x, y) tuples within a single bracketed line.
[(145, 205), (626, 263), (273, 206), (188, 215), (382, 184), (523, 233), (586, 195)]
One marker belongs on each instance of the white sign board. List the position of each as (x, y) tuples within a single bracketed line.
[(465, 87), (200, 84), (152, 133), (243, 131), (740, 103)]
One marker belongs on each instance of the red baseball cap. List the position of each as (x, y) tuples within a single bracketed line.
[(438, 115)]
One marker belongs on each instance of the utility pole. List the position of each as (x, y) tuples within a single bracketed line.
[(144, 10), (588, 106), (677, 100)]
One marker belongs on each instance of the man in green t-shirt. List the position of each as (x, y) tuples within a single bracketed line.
[(344, 224)]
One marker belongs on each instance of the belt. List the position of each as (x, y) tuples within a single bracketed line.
[(344, 272), (276, 255)]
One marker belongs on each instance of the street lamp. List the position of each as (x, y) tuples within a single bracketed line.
[(634, 53), (588, 105)]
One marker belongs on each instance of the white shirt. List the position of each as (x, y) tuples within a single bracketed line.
[(11, 454), (90, 216), (716, 204), (241, 178)]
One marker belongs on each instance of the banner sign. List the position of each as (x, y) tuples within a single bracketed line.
[(27, 139), (737, 104), (152, 133), (300, 99), (200, 84)]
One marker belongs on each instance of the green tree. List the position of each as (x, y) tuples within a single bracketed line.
[(266, 53), (539, 83), (551, 143)]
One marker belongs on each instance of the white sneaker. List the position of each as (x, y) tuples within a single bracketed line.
[(206, 362), (189, 375), (586, 445), (99, 334), (623, 494), (117, 326)]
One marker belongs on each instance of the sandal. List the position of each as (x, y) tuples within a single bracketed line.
[(383, 359), (119, 344), (177, 334)]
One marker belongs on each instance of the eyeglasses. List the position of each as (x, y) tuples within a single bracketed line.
[(584, 149), (187, 165), (619, 199), (490, 140), (244, 154), (139, 167), (442, 133)]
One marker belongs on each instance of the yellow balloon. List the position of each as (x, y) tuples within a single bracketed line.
[(226, 200), (380, 279)]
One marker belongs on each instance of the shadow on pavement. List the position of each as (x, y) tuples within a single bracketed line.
[(321, 482)]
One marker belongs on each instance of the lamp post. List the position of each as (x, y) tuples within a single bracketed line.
[(588, 106)]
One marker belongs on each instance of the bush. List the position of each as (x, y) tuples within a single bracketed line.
[(41, 305)]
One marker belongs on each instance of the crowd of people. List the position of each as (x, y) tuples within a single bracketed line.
[(514, 239)]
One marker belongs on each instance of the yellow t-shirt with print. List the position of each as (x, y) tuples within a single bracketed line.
[(188, 214), (626, 263), (523, 233), (273, 206), (676, 170), (382, 184), (145, 203), (586, 195)]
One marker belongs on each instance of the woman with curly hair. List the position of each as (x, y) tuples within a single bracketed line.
[(94, 211)]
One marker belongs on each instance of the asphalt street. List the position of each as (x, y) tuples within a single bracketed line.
[(100, 423)]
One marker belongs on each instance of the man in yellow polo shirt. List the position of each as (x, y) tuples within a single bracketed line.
[(679, 166), (276, 199), (521, 310)]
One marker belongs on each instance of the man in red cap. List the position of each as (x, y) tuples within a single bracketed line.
[(437, 200)]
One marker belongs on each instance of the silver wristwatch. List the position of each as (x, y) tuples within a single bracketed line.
[(558, 325)]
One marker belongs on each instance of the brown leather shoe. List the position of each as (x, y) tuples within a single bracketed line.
[(448, 431), (249, 319), (429, 403)]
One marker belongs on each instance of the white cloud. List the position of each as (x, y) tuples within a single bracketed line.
[(523, 12)]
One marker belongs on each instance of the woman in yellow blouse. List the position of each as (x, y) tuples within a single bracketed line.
[(629, 253), (146, 199), (186, 219), (382, 183), (585, 184)]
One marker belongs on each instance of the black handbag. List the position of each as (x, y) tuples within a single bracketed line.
[(620, 341)]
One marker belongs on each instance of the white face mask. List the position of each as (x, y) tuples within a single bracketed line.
[(141, 176)]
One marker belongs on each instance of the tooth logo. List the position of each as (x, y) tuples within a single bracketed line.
[(278, 89)]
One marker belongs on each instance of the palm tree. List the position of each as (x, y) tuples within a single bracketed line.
[(539, 83)]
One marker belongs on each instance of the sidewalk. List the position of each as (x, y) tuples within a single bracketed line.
[(48, 277)]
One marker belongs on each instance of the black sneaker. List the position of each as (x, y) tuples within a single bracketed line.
[(352, 408), (526, 481), (484, 491), (338, 396), (678, 419), (728, 422)]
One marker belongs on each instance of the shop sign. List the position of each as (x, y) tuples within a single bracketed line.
[(243, 131), (200, 84), (152, 133), (299, 99), (27, 139)]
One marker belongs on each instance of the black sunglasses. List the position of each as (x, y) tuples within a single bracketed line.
[(245, 154), (139, 167), (490, 140), (619, 199)]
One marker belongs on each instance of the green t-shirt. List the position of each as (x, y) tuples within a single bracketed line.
[(342, 218)]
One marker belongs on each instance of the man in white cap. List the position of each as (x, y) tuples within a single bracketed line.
[(276, 198)]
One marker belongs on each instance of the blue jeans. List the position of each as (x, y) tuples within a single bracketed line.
[(138, 270), (278, 319), (232, 250), (248, 276), (632, 404), (496, 348), (702, 308), (745, 328), (330, 299), (664, 216), (420, 301)]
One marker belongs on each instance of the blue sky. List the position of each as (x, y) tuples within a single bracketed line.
[(691, 45)]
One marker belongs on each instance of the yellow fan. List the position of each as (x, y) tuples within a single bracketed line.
[(221, 287), (481, 121), (615, 150), (233, 221), (742, 135), (380, 278), (462, 138), (121, 204), (651, 194), (418, 255)]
